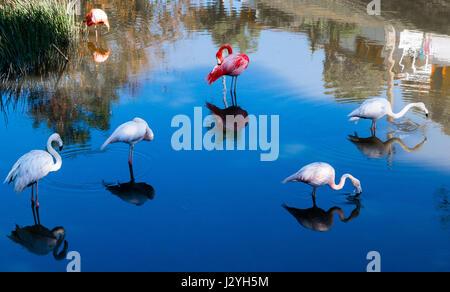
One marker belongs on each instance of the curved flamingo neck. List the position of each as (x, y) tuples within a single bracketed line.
[(339, 211), (220, 52), (402, 112), (55, 154), (341, 184)]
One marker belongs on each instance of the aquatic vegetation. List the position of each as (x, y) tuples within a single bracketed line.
[(35, 36)]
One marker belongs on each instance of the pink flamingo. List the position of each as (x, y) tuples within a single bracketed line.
[(319, 174), (233, 65), (97, 17)]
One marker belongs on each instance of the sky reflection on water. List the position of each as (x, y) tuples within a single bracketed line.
[(311, 64)]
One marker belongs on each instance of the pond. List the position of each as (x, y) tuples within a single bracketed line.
[(311, 64)]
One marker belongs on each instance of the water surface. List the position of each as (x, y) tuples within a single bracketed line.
[(312, 62)]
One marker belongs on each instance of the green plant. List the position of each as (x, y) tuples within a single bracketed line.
[(30, 32)]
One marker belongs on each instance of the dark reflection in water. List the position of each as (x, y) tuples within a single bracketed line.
[(317, 219), (132, 192), (40, 240), (373, 147), (99, 54), (442, 203)]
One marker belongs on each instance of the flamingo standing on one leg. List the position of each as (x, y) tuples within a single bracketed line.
[(376, 108), (319, 174), (233, 65), (131, 133), (33, 166), (97, 17)]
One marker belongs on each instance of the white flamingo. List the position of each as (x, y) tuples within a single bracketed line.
[(35, 165), (131, 133), (319, 174), (376, 108)]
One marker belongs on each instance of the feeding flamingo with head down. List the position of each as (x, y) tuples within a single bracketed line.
[(131, 133), (233, 65), (376, 108), (319, 174), (97, 17), (35, 165)]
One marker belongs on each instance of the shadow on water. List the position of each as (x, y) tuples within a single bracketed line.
[(373, 147), (132, 192), (40, 240), (317, 219)]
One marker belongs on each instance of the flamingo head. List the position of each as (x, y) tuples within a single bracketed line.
[(220, 56), (423, 108), (89, 19), (357, 184)]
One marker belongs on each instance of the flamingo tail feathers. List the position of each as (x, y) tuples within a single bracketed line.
[(214, 109), (292, 178), (12, 174), (107, 142)]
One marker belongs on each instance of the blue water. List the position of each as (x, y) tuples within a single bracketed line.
[(223, 210)]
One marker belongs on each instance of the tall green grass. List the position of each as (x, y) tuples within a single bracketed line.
[(29, 30)]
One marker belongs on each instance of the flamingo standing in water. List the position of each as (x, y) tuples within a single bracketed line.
[(319, 174), (35, 165), (131, 133), (376, 108), (233, 65), (97, 17)]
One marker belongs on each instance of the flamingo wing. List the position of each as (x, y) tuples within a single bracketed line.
[(30, 168), (233, 65), (315, 174), (130, 132), (371, 109)]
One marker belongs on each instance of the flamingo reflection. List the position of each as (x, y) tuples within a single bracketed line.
[(230, 118), (373, 147), (132, 192), (40, 240), (319, 220), (99, 54)]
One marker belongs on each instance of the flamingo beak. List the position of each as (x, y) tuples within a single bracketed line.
[(427, 115), (60, 148), (219, 62)]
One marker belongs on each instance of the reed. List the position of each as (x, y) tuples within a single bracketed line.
[(36, 35)]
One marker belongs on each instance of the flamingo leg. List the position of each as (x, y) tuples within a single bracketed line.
[(314, 196), (33, 204), (131, 173), (232, 81), (130, 158), (235, 85), (372, 128), (96, 34), (37, 205)]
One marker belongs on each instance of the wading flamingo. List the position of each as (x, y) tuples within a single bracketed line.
[(376, 108), (233, 65), (97, 17), (35, 165), (131, 133), (319, 174)]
